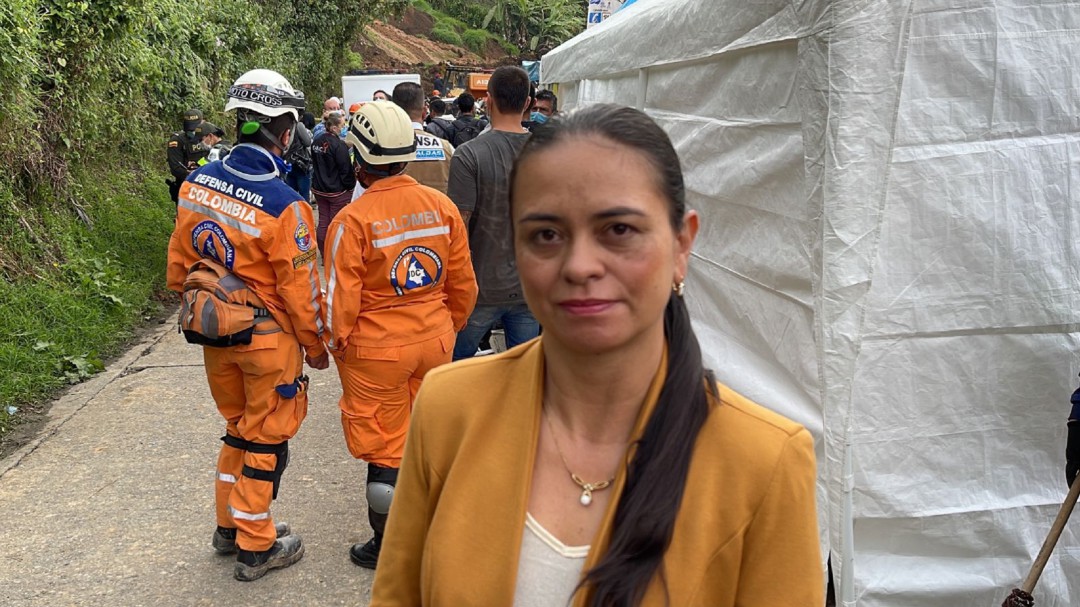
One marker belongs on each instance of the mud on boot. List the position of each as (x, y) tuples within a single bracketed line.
[(366, 555), (252, 565), (224, 540)]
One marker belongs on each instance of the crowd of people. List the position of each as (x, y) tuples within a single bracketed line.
[(595, 462)]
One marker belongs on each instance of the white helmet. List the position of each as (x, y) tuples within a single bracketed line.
[(382, 133), (266, 92)]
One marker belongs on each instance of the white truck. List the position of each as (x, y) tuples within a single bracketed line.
[(360, 89)]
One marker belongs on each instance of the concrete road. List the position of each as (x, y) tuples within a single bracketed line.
[(113, 504)]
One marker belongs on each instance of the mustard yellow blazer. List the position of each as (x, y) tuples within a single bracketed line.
[(746, 533)]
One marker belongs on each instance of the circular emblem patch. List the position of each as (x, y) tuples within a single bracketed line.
[(210, 242), (303, 236), (414, 268)]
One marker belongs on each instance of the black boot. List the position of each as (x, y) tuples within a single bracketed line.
[(379, 479), (366, 555), (224, 539), (251, 565)]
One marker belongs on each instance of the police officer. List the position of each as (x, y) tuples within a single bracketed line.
[(239, 214), (184, 151), (401, 285)]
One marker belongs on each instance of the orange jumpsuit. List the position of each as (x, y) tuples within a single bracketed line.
[(238, 213), (400, 284)]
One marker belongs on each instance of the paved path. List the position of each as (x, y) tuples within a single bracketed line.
[(113, 504)]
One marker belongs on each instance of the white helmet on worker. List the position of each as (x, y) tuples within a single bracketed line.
[(266, 92), (259, 98), (382, 134)]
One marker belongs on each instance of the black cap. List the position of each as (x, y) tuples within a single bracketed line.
[(192, 118), (208, 128)]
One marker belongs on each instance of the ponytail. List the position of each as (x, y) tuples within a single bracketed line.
[(645, 515)]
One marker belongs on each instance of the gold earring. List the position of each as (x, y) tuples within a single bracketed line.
[(678, 288)]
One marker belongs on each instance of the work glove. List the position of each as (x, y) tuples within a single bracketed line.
[(1072, 452)]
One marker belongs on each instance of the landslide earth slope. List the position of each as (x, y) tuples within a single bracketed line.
[(404, 44)]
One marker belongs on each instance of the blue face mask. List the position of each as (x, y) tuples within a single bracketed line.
[(538, 118)]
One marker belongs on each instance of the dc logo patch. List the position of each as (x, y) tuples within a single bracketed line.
[(210, 242), (415, 268), (303, 237)]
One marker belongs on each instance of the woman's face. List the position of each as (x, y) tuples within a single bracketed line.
[(594, 244)]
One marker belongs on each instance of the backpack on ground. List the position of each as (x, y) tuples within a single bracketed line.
[(466, 129), (217, 309)]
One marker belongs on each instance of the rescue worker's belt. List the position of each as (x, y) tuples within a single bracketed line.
[(281, 450)]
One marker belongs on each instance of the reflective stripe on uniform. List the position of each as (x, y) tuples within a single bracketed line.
[(247, 516), (332, 280), (223, 218), (226, 478), (313, 278), (410, 235)]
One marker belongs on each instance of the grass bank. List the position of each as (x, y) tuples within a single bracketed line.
[(84, 270)]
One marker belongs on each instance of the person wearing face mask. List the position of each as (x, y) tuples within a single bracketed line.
[(546, 106), (332, 179), (183, 152), (210, 135)]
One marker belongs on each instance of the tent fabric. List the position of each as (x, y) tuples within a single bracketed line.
[(890, 254)]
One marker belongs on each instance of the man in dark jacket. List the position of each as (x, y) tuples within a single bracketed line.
[(436, 124), (332, 177), (467, 126), (183, 152)]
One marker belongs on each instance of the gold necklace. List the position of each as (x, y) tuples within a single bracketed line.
[(586, 488)]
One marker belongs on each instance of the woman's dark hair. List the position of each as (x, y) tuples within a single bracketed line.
[(645, 514), (309, 120)]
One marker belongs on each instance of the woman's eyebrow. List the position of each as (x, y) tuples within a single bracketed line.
[(545, 217), (605, 214), (617, 212)]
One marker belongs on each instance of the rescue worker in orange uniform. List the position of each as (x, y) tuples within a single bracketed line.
[(238, 213), (400, 284)]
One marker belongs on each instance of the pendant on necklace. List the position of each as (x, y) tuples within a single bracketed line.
[(586, 497), (588, 488)]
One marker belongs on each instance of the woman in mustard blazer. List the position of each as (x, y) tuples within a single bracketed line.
[(600, 464)]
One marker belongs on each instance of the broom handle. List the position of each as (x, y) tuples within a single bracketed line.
[(1052, 538)]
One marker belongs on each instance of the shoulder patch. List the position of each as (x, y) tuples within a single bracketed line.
[(173, 144), (303, 236)]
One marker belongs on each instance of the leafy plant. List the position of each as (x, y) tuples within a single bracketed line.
[(75, 369), (448, 36), (475, 40)]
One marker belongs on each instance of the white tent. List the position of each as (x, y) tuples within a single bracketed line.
[(890, 255)]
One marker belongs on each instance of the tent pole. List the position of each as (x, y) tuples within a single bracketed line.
[(643, 86), (847, 531)]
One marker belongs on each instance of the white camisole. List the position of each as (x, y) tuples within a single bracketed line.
[(548, 570)]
